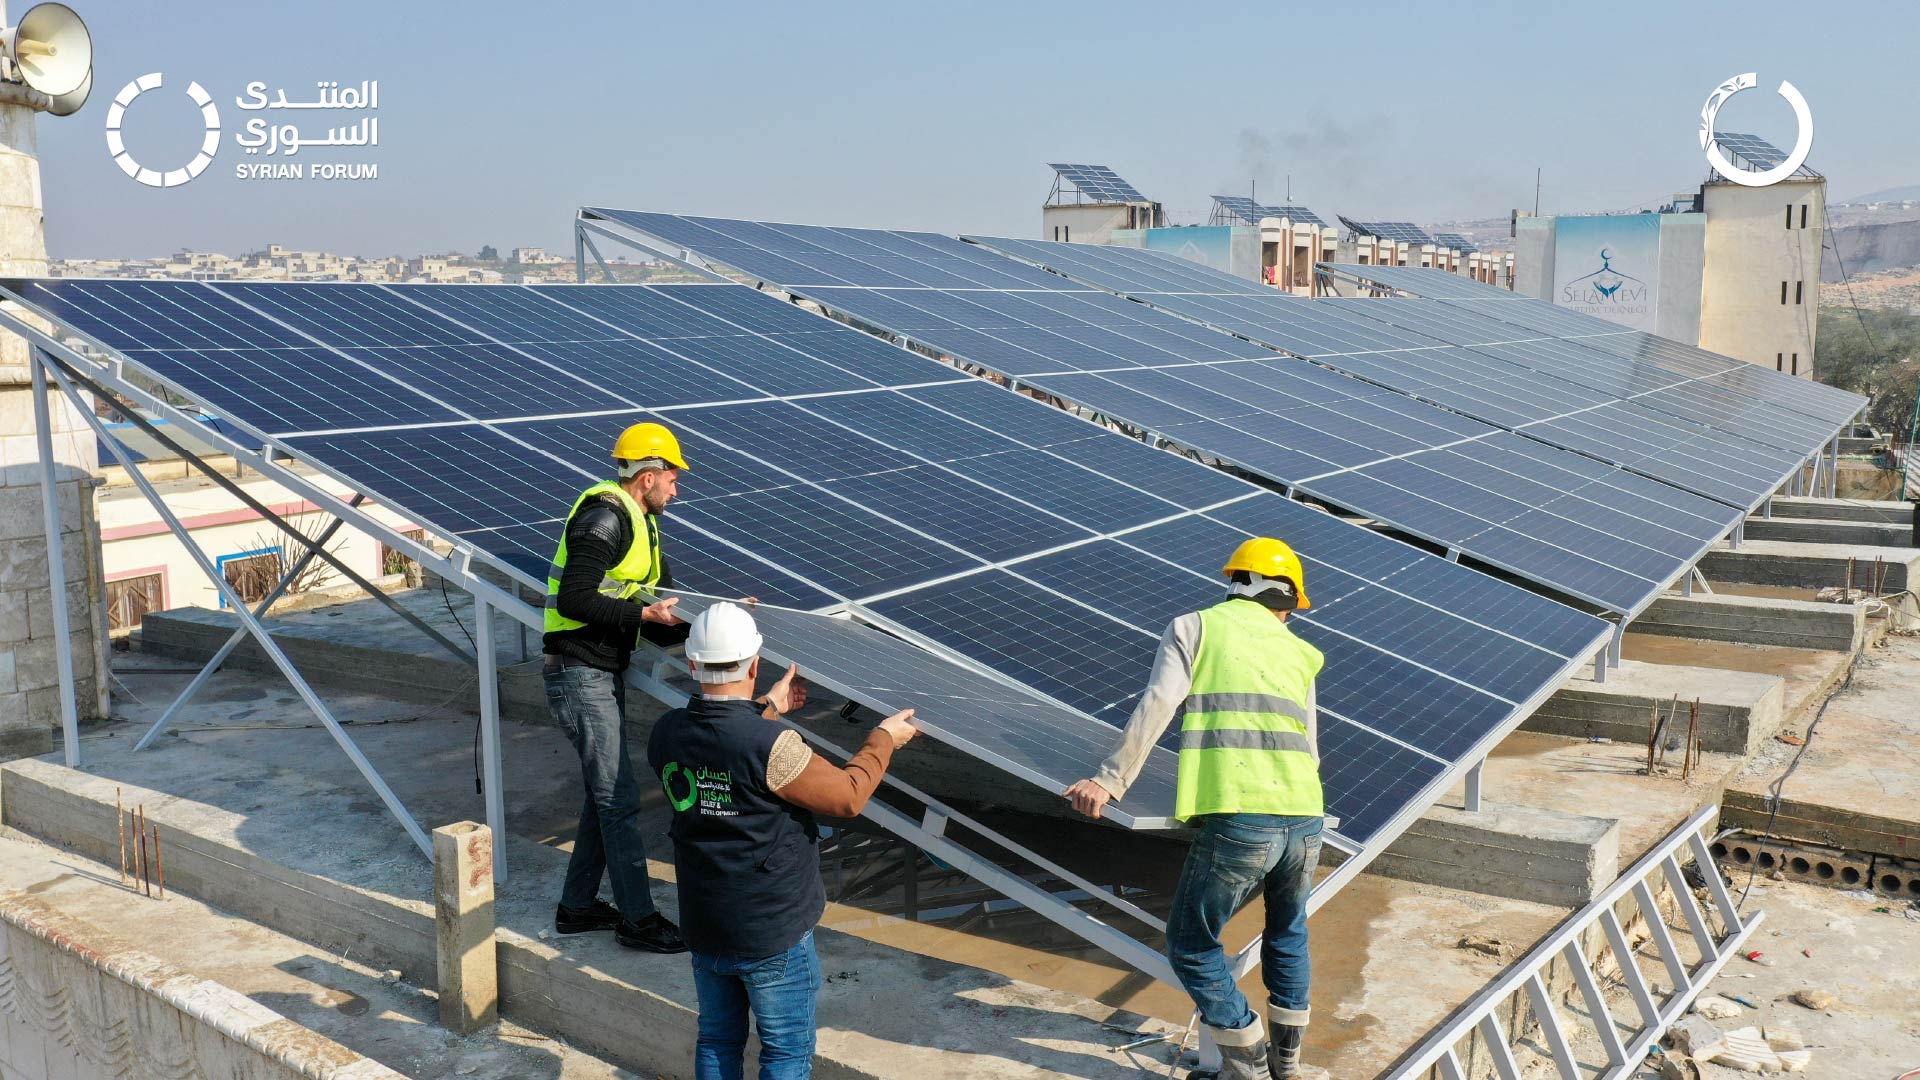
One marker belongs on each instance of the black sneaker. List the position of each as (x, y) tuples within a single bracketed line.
[(655, 934), (598, 915)]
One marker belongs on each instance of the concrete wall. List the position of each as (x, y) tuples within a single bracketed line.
[(1533, 254), (1750, 251), (76, 1004), (1085, 224), (1754, 620), (1683, 252), (29, 694)]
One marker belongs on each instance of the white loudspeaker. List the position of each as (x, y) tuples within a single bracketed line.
[(51, 49), (68, 104)]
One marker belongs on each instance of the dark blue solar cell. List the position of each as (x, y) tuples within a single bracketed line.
[(174, 315), (283, 390), (700, 563), (1152, 593), (346, 314), (1369, 780), (509, 313), (1400, 699), (1512, 611), (499, 481), (973, 517)]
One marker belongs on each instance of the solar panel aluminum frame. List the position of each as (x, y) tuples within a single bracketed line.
[(1760, 505)]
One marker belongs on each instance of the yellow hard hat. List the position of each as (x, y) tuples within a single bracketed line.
[(1268, 557), (643, 441)]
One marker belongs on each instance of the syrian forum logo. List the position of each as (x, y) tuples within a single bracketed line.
[(1709, 142), (259, 136)]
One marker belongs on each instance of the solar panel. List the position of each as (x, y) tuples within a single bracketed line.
[(1757, 151), (1456, 241), (1404, 232), (1326, 434), (1692, 428), (938, 505), (1251, 212), (1099, 183)]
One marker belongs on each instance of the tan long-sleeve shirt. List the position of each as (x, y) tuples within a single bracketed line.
[(1168, 684), (809, 781)]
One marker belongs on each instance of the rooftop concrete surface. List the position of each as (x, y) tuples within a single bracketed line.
[(1857, 786), (335, 996), (250, 767)]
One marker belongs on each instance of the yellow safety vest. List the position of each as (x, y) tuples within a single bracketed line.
[(639, 568), (1243, 746)]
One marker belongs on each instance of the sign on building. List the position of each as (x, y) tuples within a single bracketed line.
[(1609, 267)]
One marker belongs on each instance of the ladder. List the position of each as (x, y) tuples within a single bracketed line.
[(1625, 1043)]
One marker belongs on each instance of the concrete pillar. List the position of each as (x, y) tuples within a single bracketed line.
[(467, 970), (29, 692)]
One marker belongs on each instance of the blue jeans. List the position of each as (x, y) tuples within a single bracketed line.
[(589, 705), (1235, 856), (779, 990)]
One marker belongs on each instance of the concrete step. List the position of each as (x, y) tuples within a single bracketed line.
[(1807, 530), (1809, 566), (1739, 710), (1756, 620), (1874, 511)]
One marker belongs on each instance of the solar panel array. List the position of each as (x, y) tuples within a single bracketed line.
[(1251, 212), (833, 470), (1707, 424), (1099, 183), (1757, 151), (1599, 534), (1405, 232), (1456, 241)]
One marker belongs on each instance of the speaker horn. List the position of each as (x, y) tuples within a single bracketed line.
[(68, 104), (51, 49)]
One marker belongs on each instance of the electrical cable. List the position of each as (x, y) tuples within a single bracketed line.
[(445, 599)]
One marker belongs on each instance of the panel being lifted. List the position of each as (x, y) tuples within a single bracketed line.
[(1601, 535), (1038, 553)]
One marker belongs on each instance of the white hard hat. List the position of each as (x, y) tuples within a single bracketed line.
[(722, 637)]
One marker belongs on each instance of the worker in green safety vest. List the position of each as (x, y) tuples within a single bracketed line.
[(1249, 782), (609, 553)]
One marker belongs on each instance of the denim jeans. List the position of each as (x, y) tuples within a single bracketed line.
[(589, 705), (1235, 856), (779, 990)]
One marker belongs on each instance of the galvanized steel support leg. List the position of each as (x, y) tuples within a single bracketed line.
[(56, 559), (579, 254), (239, 635), (595, 251), (1613, 644), (259, 632), (1472, 804), (490, 736)]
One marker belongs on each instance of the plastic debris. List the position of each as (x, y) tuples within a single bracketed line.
[(1741, 1000)]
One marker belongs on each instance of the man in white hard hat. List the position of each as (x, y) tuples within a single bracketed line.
[(609, 552), (744, 787)]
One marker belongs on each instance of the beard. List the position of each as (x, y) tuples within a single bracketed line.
[(655, 501)]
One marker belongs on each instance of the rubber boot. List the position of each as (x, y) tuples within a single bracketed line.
[(1248, 1061), (1283, 1046)]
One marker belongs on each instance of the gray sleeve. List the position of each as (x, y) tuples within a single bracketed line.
[(1167, 687)]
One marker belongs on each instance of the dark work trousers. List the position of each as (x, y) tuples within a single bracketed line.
[(590, 706)]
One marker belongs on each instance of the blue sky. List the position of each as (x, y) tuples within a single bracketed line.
[(496, 121)]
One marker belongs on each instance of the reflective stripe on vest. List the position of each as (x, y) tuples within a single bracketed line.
[(638, 568), (1243, 744)]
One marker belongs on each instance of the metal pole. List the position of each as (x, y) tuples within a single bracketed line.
[(595, 251), (490, 736), (1473, 786), (579, 255), (1613, 644), (259, 632), (1833, 468), (239, 635), (56, 559)]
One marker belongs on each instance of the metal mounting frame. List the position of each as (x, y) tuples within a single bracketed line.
[(1624, 1056)]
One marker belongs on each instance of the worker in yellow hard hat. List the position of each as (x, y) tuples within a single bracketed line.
[(609, 553), (1249, 782)]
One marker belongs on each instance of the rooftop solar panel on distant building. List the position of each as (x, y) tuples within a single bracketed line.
[(1757, 151), (1456, 241), (1099, 183), (1247, 210)]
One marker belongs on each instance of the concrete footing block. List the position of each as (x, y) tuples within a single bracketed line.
[(1503, 849), (1893, 511), (468, 963), (1756, 620), (1821, 531), (1810, 566), (1739, 710)]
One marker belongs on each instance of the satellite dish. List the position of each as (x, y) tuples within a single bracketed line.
[(51, 48), (68, 104)]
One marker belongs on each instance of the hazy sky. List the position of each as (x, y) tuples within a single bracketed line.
[(497, 121)]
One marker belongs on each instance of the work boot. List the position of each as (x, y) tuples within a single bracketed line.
[(1283, 1042), (598, 915), (655, 933), (1245, 1062)]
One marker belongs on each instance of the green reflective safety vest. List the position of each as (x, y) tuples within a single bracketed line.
[(639, 568), (1243, 746)]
